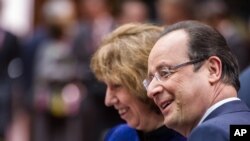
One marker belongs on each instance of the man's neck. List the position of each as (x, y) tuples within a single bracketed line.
[(220, 93)]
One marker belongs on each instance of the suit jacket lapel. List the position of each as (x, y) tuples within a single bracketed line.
[(230, 107)]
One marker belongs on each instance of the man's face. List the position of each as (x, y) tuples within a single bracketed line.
[(182, 96)]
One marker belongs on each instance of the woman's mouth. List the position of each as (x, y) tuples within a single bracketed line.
[(122, 111)]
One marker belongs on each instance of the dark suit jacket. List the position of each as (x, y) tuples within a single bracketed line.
[(216, 126)]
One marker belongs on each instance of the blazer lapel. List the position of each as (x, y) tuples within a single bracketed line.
[(230, 107)]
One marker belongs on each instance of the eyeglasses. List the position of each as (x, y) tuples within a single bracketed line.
[(165, 72)]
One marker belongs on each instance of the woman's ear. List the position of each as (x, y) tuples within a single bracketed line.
[(215, 69)]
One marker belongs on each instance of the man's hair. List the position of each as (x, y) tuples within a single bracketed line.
[(122, 57), (205, 41)]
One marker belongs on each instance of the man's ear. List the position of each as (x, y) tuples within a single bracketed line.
[(215, 69)]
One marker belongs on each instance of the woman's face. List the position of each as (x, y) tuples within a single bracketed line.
[(129, 107)]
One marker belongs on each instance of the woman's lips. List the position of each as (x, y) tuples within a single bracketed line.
[(122, 111)]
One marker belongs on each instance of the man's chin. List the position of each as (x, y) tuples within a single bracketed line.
[(169, 123)]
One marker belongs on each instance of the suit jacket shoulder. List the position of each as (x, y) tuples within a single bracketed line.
[(216, 126)]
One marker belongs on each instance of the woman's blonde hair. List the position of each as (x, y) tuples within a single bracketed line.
[(122, 57)]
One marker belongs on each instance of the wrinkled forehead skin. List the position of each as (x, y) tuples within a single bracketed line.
[(169, 49)]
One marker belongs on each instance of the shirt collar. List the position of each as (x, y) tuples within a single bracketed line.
[(215, 106)]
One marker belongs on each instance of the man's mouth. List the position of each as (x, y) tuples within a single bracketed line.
[(165, 104)]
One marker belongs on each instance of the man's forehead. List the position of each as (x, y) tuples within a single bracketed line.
[(173, 38), (173, 44)]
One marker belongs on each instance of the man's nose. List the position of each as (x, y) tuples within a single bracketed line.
[(154, 88)]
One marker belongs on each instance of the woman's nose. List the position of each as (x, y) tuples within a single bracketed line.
[(110, 98)]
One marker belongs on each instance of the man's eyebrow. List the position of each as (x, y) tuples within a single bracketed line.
[(158, 67), (162, 65)]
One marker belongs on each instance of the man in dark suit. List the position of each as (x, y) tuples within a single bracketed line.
[(193, 78)]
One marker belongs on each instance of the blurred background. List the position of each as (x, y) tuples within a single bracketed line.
[(47, 91)]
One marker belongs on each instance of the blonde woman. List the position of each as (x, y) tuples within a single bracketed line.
[(121, 63)]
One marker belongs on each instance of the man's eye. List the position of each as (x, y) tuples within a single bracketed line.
[(164, 73), (150, 78)]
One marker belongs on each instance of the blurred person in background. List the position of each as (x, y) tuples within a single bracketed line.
[(244, 92), (57, 92), (172, 11), (133, 11), (96, 22), (217, 14), (121, 63), (10, 50)]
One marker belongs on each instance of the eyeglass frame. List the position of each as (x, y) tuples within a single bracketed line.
[(170, 71)]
